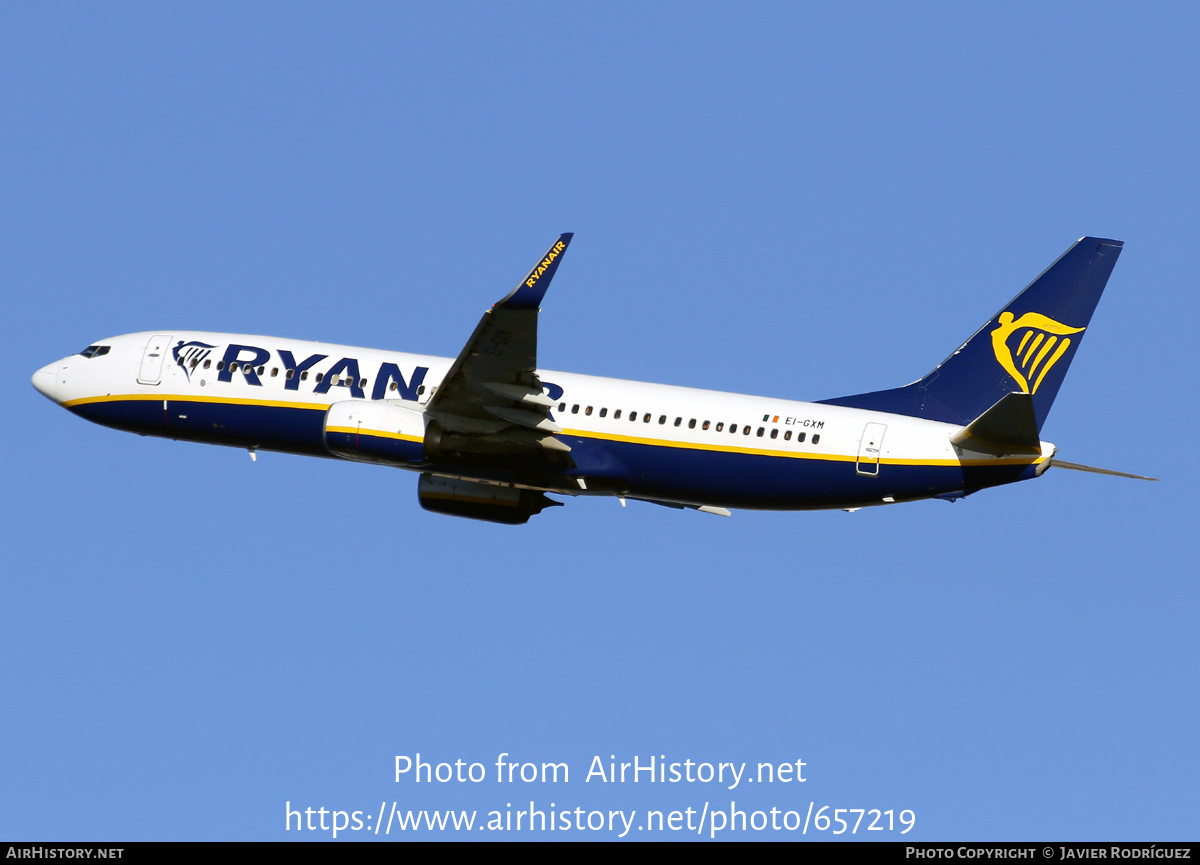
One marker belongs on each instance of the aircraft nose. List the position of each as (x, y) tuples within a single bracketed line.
[(46, 381)]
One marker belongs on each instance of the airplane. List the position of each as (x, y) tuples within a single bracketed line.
[(491, 434)]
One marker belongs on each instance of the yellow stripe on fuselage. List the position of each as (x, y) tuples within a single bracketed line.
[(177, 397), (802, 455)]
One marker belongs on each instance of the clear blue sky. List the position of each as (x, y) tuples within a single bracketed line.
[(799, 201)]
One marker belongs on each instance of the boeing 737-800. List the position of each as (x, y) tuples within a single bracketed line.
[(491, 433)]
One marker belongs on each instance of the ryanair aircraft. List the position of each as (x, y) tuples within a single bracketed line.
[(490, 433)]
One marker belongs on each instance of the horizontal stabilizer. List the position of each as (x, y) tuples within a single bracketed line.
[(1076, 467), (1008, 427)]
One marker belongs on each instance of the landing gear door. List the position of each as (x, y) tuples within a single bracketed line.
[(152, 359), (870, 449)]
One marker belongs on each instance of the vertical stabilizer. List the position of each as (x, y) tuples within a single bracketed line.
[(1025, 348)]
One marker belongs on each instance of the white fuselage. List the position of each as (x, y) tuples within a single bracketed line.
[(161, 380)]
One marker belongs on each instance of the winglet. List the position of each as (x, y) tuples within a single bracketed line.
[(529, 292)]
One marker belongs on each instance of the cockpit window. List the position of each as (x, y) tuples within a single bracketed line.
[(95, 350)]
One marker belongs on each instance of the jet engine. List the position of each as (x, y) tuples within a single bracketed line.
[(495, 504), (375, 432)]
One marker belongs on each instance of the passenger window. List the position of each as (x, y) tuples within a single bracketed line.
[(787, 436), (232, 366), (801, 436), (320, 376), (304, 376), (646, 417), (720, 426), (692, 423), (562, 406), (817, 438), (775, 433), (617, 414), (603, 412), (679, 420), (207, 364), (575, 409), (260, 370), (394, 386), (746, 430), (420, 390), (220, 364), (291, 373), (362, 382), (662, 418), (704, 425), (588, 411), (274, 371), (760, 432)]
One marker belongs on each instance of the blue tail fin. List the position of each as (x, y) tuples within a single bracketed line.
[(1025, 348)]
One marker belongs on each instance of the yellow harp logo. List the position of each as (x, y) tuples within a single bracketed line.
[(1042, 341)]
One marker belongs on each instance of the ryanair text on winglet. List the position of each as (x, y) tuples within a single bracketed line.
[(544, 264)]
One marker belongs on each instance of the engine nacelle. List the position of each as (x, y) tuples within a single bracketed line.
[(495, 504), (375, 432)]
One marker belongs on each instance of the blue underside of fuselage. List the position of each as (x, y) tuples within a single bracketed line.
[(295, 430), (657, 472)]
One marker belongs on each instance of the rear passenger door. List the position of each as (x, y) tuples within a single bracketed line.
[(870, 447)]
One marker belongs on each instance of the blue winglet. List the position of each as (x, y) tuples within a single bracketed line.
[(529, 292)]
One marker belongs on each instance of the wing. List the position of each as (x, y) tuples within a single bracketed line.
[(491, 401)]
